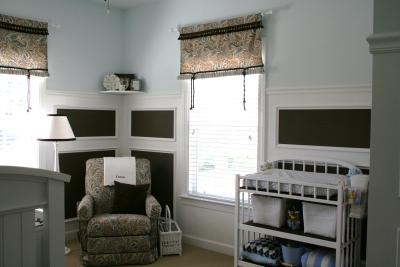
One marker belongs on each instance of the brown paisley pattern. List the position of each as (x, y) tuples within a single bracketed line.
[(116, 239), (85, 208), (222, 54), (118, 225), (153, 208), (97, 245), (122, 258), (23, 46), (82, 234)]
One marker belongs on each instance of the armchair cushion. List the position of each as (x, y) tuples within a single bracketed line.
[(118, 225), (85, 208), (153, 208), (129, 198)]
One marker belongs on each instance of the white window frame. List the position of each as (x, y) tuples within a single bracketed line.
[(185, 85)]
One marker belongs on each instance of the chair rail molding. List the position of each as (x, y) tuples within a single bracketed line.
[(386, 42), (334, 89)]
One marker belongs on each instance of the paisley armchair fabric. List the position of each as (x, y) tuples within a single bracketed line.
[(85, 208), (116, 239)]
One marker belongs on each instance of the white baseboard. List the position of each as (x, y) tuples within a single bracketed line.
[(209, 244)]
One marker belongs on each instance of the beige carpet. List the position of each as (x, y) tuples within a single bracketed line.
[(191, 257)]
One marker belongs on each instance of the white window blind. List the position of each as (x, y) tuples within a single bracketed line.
[(223, 137), (18, 145)]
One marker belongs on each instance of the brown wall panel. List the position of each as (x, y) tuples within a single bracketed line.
[(152, 123), (74, 164), (325, 127), (162, 176), (90, 122)]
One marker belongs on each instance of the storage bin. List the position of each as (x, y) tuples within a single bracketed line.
[(319, 219), (170, 235), (268, 210)]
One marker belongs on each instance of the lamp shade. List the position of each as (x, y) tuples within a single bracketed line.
[(56, 128)]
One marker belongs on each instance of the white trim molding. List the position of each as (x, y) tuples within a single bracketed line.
[(148, 138), (386, 42), (105, 108), (338, 89), (337, 97)]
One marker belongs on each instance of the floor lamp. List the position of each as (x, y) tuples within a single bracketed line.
[(57, 129)]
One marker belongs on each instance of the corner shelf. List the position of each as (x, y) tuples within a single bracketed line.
[(122, 92)]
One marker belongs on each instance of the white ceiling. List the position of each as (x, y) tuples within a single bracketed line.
[(124, 4)]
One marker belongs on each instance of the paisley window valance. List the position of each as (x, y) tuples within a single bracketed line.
[(23, 46), (227, 47)]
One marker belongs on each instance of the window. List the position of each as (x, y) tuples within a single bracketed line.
[(18, 145), (223, 137)]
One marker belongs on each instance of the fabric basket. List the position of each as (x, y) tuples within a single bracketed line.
[(268, 210), (170, 235), (319, 219)]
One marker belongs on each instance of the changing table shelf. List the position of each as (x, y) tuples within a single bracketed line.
[(286, 233)]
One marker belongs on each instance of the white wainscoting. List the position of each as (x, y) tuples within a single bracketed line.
[(166, 145), (80, 100), (339, 97), (206, 223)]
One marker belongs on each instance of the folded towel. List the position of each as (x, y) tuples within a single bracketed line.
[(120, 169)]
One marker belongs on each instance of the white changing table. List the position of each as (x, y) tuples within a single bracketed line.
[(348, 230)]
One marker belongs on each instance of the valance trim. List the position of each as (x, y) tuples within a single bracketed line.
[(22, 71), (24, 29), (221, 73), (224, 30)]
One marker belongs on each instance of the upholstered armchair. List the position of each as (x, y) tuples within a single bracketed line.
[(116, 239)]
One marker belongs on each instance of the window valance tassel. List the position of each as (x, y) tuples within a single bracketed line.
[(244, 89), (192, 91), (28, 96)]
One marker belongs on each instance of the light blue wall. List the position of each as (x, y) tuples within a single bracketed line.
[(87, 44), (310, 42)]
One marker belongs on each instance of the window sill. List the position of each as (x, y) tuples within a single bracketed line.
[(208, 203)]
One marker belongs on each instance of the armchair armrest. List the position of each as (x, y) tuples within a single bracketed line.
[(153, 208), (85, 208)]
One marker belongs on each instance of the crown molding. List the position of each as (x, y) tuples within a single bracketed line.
[(385, 42)]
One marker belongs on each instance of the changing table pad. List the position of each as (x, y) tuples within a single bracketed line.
[(286, 177)]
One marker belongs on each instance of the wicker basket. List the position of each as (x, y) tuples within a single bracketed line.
[(170, 235)]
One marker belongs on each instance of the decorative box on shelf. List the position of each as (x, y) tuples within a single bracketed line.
[(118, 83)]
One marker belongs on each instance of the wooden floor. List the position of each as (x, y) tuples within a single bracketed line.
[(191, 257)]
